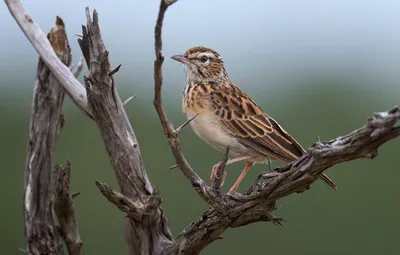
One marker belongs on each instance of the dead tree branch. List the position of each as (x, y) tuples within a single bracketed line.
[(45, 124), (64, 209), (39, 41), (145, 236), (259, 201)]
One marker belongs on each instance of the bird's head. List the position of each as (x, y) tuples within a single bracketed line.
[(202, 64)]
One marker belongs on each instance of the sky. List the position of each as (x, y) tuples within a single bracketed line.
[(277, 40)]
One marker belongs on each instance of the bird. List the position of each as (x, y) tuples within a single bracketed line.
[(224, 116)]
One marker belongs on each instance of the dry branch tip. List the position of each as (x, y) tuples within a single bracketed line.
[(129, 99), (111, 73), (179, 129)]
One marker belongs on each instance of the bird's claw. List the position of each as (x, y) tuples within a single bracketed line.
[(214, 174)]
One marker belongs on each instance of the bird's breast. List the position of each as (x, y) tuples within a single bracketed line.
[(206, 124), (207, 127)]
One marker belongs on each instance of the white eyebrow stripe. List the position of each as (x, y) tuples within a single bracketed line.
[(207, 54), (212, 55)]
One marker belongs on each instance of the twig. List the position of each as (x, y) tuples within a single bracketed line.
[(136, 210), (64, 209), (200, 186)]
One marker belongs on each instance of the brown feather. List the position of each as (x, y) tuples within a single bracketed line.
[(254, 128)]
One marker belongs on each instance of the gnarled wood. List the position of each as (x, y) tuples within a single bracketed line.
[(65, 209), (45, 124), (148, 235)]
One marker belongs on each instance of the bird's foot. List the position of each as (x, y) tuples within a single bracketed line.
[(215, 171)]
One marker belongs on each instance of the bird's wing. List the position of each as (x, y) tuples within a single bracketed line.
[(245, 120)]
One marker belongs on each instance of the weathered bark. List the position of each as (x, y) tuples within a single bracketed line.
[(65, 209), (45, 124), (39, 41), (148, 234)]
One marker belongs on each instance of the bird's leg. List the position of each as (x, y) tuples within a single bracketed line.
[(216, 166), (241, 176)]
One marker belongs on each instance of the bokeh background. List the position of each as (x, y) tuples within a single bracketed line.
[(318, 67)]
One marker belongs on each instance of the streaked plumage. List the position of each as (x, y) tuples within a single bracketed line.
[(226, 116)]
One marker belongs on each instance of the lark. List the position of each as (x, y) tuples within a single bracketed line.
[(224, 116)]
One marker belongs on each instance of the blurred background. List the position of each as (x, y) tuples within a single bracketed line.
[(318, 67)]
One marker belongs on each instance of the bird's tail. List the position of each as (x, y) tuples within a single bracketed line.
[(328, 181)]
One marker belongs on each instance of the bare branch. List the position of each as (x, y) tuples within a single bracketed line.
[(122, 147), (64, 209), (45, 124), (39, 41), (200, 186)]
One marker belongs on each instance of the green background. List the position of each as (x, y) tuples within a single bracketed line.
[(360, 218)]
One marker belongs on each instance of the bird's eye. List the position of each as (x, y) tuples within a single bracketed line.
[(204, 59)]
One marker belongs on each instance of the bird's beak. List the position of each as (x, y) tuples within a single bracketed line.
[(181, 58)]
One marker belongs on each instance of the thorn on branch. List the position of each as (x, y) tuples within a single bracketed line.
[(23, 250), (179, 129), (111, 73), (173, 167), (128, 100), (75, 194), (170, 2)]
